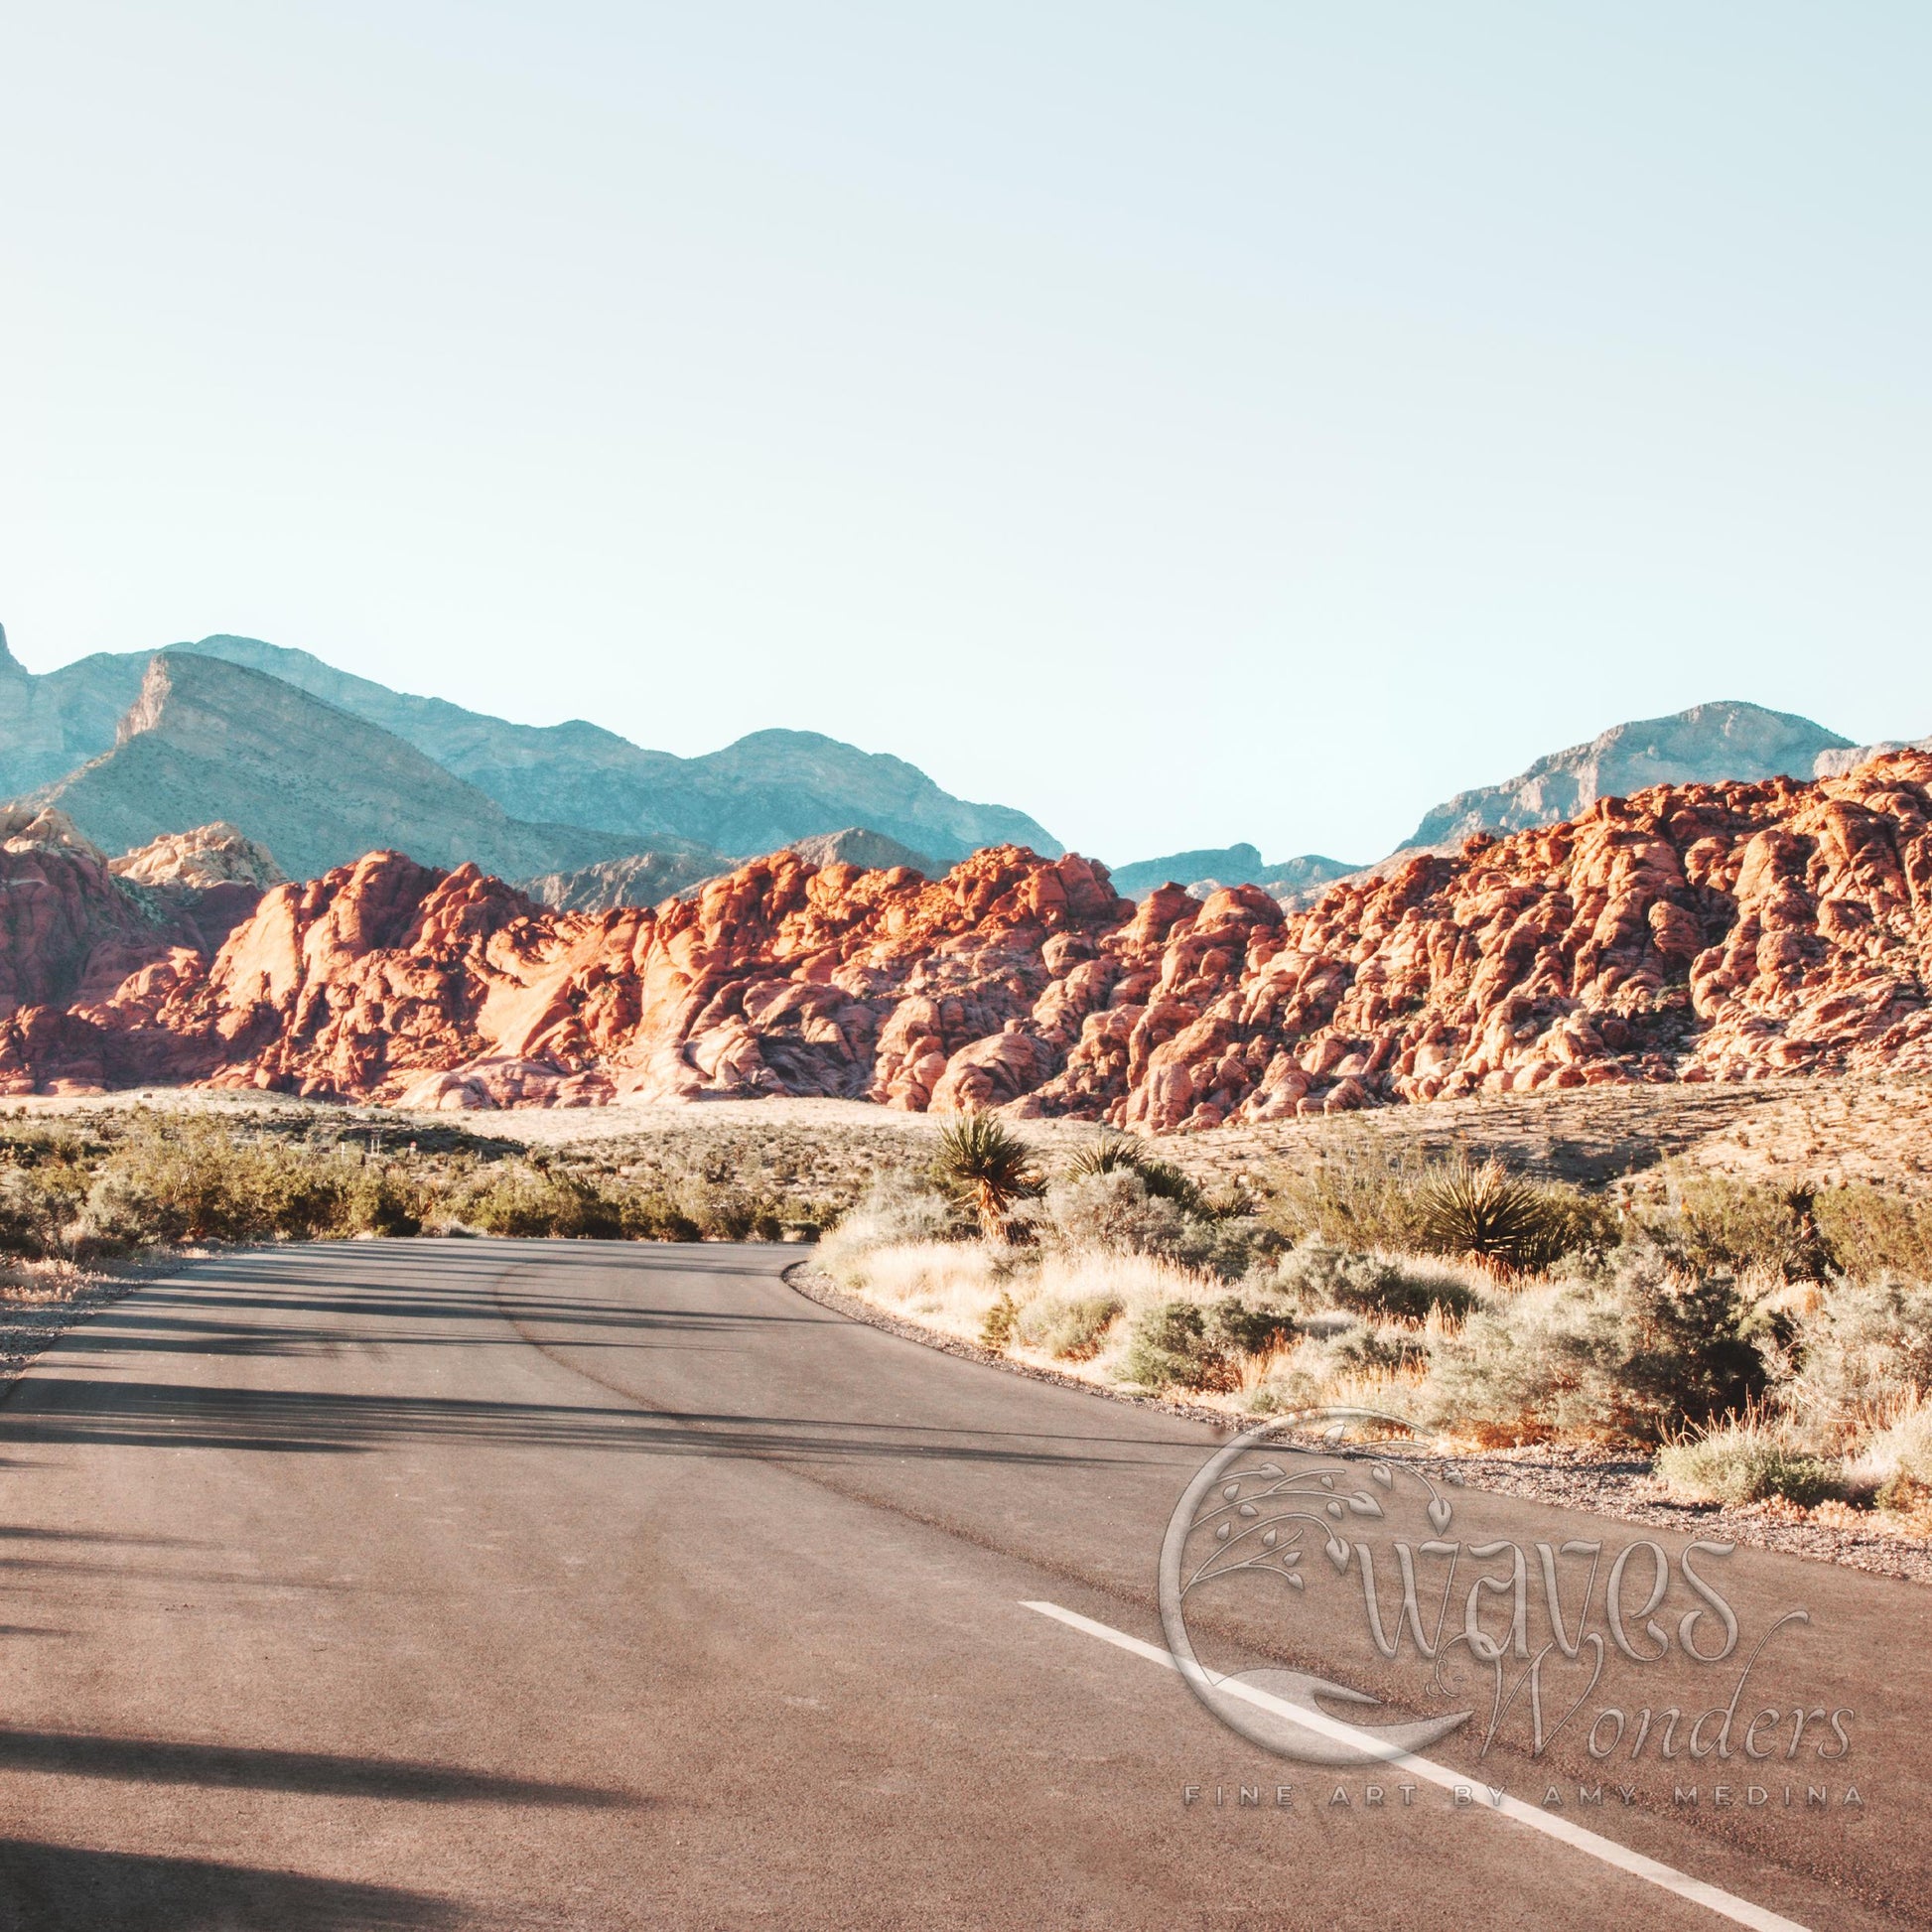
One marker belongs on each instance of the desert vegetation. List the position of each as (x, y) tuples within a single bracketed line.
[(80, 1188), (1769, 1344)]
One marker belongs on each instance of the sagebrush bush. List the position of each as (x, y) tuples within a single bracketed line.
[(1201, 1344), (38, 1207), (1747, 1226), (1894, 1465), (1123, 1154), (1870, 1233), (1343, 1359), (1861, 1350), (1365, 1199), (1317, 1276), (1353, 1197), (147, 1179), (1624, 1360), (1070, 1328), (1167, 1346), (1746, 1460), (1109, 1209), (893, 1213)]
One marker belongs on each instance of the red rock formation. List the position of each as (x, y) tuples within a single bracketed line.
[(71, 936), (1691, 932)]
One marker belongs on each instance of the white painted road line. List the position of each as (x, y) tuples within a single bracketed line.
[(1739, 1911)]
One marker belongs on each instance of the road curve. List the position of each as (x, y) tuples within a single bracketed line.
[(501, 1584)]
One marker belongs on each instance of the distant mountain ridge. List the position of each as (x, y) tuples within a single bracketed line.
[(1709, 744), (764, 791), (1230, 865)]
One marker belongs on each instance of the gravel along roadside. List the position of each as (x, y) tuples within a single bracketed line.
[(41, 1301)]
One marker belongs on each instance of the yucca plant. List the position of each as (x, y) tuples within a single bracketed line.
[(1116, 1152), (985, 1165), (1486, 1214), (1111, 1152)]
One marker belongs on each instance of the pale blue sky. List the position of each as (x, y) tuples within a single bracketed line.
[(1188, 423)]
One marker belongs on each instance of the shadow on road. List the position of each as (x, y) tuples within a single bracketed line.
[(161, 1760), (65, 1889), (77, 1409)]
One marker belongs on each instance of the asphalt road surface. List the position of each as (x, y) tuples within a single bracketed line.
[(526, 1585)]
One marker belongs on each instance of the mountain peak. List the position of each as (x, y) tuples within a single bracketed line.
[(1708, 744)]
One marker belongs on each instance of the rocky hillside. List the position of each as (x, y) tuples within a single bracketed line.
[(677, 866), (1711, 743), (1692, 932), (210, 740)]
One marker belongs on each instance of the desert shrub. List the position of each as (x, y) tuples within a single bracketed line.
[(1231, 1246), (194, 1180), (1109, 1209), (1167, 1346), (1362, 1199), (379, 1201), (654, 1216), (1235, 1325), (529, 1203), (38, 1207), (1345, 1359), (1069, 1327), (1198, 1346), (986, 1166), (1356, 1199), (1747, 1225), (1895, 1467), (1316, 1276), (1122, 1153), (1114, 1210), (1625, 1360), (1691, 1354), (1745, 1459), (1863, 1349), (728, 1214), (893, 1213), (1870, 1233)]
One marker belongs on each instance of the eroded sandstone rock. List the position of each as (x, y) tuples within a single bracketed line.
[(1691, 932)]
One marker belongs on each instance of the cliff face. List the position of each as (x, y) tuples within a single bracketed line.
[(206, 738), (1691, 932)]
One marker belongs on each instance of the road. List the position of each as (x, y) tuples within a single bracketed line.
[(498, 1585)]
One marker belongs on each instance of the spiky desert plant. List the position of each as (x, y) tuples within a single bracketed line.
[(985, 1165), (1116, 1152), (1110, 1153), (1484, 1214)]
